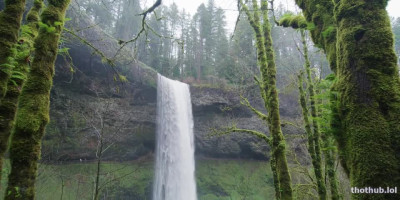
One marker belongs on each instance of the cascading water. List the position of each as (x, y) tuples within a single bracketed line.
[(174, 175)]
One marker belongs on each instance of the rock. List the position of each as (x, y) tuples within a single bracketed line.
[(89, 101)]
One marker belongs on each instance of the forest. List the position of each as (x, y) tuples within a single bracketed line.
[(137, 100)]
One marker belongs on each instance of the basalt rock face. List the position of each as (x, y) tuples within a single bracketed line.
[(129, 121), (90, 104)]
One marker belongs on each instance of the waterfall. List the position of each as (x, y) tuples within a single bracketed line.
[(174, 171)]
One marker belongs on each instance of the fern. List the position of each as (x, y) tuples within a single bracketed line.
[(49, 29)]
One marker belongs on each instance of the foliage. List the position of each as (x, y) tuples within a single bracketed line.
[(10, 21), (218, 179)]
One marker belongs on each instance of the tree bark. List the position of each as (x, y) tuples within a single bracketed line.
[(366, 117), (316, 135), (268, 71), (33, 106), (8, 105), (10, 22)]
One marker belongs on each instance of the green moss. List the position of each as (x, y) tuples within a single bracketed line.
[(10, 21), (272, 105), (311, 141), (369, 96), (367, 90), (266, 61), (316, 135), (294, 21), (285, 20), (320, 14), (33, 107), (237, 179), (8, 105), (329, 32)]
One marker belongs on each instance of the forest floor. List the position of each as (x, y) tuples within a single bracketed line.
[(216, 180)]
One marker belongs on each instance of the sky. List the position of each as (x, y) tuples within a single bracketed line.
[(230, 7)]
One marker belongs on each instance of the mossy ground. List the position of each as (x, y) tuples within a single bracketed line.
[(216, 179)]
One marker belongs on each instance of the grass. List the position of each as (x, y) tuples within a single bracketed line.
[(216, 180)]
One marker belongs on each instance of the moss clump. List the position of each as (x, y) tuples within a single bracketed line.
[(294, 21), (285, 20)]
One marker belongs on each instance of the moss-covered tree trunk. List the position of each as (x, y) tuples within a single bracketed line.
[(310, 138), (33, 105), (366, 119), (275, 176), (10, 22), (269, 79), (330, 157), (268, 71), (8, 105), (316, 136), (369, 96)]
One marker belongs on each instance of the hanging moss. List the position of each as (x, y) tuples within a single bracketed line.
[(10, 21), (33, 106), (320, 14), (8, 104), (294, 21)]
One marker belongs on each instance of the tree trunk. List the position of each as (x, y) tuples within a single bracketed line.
[(33, 105), (268, 71), (8, 105), (269, 79), (369, 96), (317, 161), (98, 170), (366, 117), (330, 155)]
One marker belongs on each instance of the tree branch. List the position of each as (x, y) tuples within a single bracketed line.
[(234, 129), (151, 9), (246, 103)]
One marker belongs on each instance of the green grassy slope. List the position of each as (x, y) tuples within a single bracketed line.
[(216, 180)]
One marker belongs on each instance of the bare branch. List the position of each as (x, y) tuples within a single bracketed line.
[(273, 12), (237, 20), (96, 51), (151, 9)]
